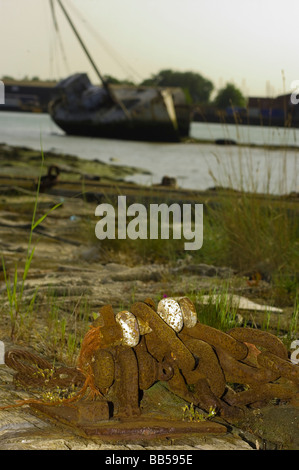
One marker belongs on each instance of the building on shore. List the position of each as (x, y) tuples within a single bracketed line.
[(277, 111), (27, 96)]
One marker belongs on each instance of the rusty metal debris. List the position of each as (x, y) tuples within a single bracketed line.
[(125, 354), (34, 371)]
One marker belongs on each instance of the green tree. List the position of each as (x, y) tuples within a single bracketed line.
[(229, 96), (7, 77), (115, 81), (196, 87)]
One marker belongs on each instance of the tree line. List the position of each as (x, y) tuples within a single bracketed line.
[(197, 89)]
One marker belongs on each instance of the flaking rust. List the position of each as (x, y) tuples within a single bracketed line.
[(122, 356)]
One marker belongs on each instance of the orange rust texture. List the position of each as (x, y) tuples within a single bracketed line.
[(197, 363), (148, 367), (218, 339), (208, 364), (104, 333), (163, 339), (25, 364), (91, 342), (126, 383), (178, 385), (260, 338), (100, 335), (241, 373), (278, 365), (165, 345), (259, 394), (106, 316), (205, 398), (103, 369)]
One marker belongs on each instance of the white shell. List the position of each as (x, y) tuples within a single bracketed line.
[(130, 329), (170, 311), (188, 311)]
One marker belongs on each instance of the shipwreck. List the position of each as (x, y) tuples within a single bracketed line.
[(117, 111)]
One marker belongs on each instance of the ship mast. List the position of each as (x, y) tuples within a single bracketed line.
[(82, 44), (104, 82)]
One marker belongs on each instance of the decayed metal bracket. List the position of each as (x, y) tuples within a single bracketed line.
[(122, 356)]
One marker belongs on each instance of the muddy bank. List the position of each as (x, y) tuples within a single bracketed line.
[(23, 162)]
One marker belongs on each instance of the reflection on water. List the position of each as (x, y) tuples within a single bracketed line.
[(195, 165)]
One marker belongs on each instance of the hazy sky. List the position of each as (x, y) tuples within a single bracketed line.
[(253, 43)]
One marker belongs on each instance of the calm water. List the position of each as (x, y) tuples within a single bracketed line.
[(195, 165)]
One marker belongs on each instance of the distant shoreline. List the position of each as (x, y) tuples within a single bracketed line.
[(21, 167), (193, 140)]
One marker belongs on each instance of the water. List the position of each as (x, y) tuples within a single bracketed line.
[(258, 135), (195, 165)]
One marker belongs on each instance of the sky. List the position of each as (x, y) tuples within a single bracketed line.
[(251, 43)]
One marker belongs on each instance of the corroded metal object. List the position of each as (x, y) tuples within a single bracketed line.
[(123, 355), (33, 371)]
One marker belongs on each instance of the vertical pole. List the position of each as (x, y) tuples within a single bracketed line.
[(82, 44), (105, 84)]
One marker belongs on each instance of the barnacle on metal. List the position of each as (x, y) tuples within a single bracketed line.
[(170, 311), (130, 328), (163, 339), (123, 355), (188, 311)]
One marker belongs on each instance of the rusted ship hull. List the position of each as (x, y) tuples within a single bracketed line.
[(132, 130), (121, 112)]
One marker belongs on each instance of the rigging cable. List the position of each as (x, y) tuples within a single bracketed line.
[(51, 37), (59, 37), (112, 53), (111, 93)]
